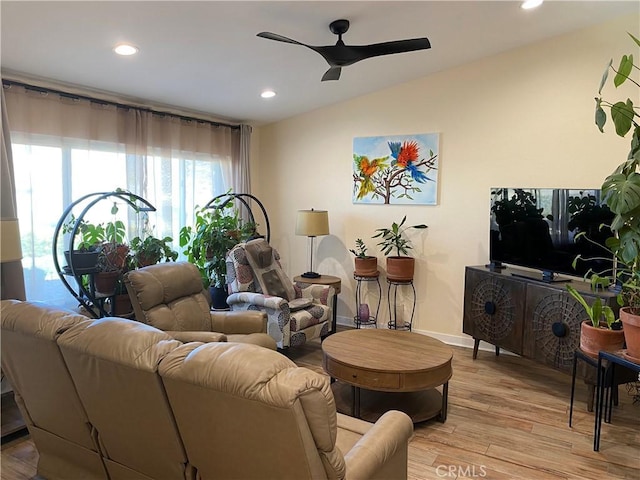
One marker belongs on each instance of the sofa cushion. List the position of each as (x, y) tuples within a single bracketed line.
[(114, 362), (221, 392)]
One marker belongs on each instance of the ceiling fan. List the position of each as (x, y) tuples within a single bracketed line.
[(341, 55)]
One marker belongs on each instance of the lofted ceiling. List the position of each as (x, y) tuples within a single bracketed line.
[(204, 56)]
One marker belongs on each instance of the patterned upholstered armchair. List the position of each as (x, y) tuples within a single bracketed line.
[(256, 281)]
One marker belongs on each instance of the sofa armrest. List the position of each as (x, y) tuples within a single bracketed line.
[(382, 451), (248, 321), (197, 336)]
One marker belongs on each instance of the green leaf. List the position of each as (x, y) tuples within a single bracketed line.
[(622, 115), (605, 75), (622, 193), (634, 39), (601, 116), (624, 70)]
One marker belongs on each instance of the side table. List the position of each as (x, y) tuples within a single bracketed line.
[(607, 362), (331, 281)]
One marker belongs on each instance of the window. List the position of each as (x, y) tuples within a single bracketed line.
[(52, 172)]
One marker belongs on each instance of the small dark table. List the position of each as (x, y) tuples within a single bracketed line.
[(607, 362)]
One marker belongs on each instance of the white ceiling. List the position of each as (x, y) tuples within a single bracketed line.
[(204, 56)]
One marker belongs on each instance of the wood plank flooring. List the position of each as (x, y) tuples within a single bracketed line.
[(507, 419)]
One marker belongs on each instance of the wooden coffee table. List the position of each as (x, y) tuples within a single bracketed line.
[(379, 370)]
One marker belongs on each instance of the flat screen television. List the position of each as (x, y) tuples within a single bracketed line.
[(538, 228)]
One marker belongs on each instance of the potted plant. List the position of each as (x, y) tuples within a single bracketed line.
[(85, 252), (215, 231), (602, 331), (400, 267), (365, 265), (621, 192), (107, 273), (150, 251)]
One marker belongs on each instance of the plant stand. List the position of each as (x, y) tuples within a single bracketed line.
[(361, 318), (93, 302), (393, 310)]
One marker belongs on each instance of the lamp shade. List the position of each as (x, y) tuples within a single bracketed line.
[(10, 249), (312, 223)]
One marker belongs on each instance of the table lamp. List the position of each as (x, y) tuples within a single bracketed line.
[(312, 223), (10, 251)]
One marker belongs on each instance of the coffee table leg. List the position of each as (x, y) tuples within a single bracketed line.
[(445, 402)]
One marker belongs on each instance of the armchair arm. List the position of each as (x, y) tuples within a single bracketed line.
[(248, 321), (319, 293), (257, 299), (197, 336), (382, 451)]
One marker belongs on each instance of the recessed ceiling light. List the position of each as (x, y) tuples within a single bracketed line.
[(268, 94), (125, 49), (529, 4)]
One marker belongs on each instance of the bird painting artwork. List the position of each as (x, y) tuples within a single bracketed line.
[(398, 169)]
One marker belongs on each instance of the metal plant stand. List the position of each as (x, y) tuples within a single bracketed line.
[(393, 310), (363, 316)]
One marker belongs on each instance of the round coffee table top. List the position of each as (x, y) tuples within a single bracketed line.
[(390, 360)]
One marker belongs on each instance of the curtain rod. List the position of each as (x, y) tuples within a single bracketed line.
[(74, 96)]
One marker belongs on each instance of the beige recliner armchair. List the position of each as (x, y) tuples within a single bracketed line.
[(245, 412), (170, 297)]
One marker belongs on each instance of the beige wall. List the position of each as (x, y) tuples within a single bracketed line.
[(520, 119)]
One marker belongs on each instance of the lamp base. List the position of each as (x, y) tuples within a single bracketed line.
[(310, 275)]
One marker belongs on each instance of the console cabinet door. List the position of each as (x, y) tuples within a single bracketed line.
[(552, 329), (494, 308)]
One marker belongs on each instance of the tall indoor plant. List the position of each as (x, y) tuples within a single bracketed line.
[(621, 192), (215, 231), (401, 266)]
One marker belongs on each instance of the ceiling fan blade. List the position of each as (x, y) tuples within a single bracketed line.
[(279, 38), (332, 74), (348, 55)]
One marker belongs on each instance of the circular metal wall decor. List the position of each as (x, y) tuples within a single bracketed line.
[(492, 308), (556, 328)]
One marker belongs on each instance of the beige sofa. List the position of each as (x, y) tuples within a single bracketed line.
[(116, 399)]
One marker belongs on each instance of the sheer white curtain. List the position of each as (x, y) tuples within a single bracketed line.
[(66, 147)]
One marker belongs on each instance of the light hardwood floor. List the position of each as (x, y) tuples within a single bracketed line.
[(507, 419)]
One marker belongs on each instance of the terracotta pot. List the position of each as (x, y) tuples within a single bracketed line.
[(400, 269), (366, 267), (593, 339), (105, 282), (117, 254), (122, 305), (145, 261), (631, 328)]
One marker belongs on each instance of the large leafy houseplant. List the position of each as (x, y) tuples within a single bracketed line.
[(215, 231), (621, 193), (400, 267), (151, 250)]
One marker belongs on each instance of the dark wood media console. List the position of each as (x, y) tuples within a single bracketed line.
[(515, 310)]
